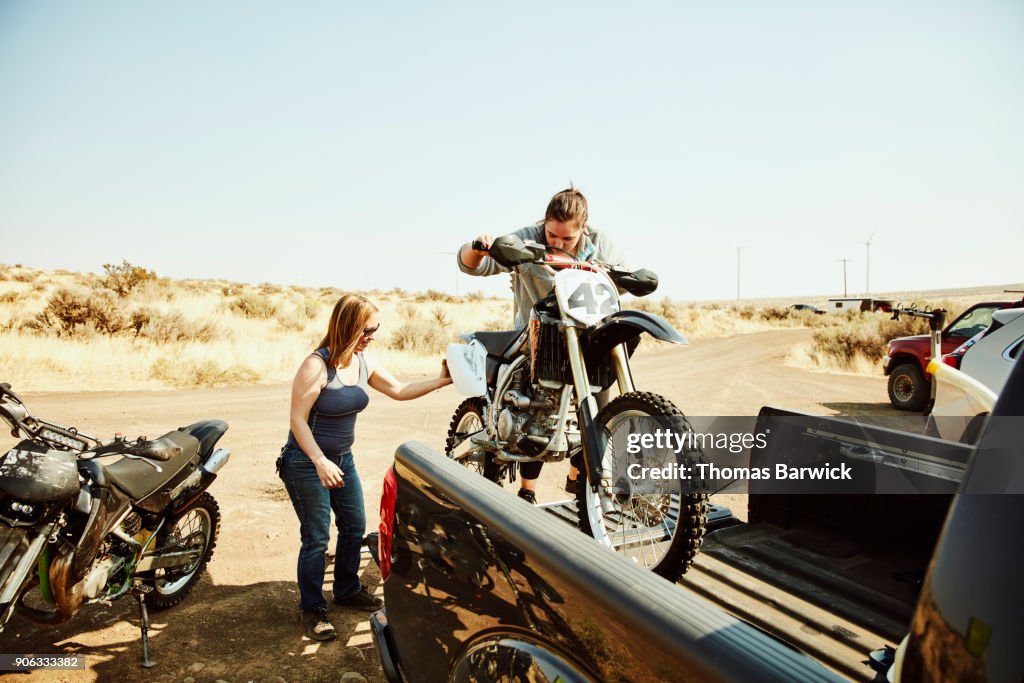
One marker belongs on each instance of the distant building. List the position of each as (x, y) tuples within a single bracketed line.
[(859, 304)]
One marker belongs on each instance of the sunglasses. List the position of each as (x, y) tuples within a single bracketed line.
[(368, 332)]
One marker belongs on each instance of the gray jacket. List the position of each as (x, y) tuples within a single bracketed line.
[(531, 282)]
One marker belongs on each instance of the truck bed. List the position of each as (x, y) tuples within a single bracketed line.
[(824, 595), (481, 582)]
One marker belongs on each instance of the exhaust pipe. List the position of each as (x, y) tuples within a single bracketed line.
[(217, 460)]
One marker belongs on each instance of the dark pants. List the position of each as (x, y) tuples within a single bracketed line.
[(531, 470), (313, 504)]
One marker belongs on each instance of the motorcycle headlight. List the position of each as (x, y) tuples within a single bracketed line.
[(63, 439), (17, 513)]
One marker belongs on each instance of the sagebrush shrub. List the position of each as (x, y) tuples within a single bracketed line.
[(70, 312), (745, 313), (667, 310), (255, 306), (330, 294), (434, 295), (772, 313), (844, 338), (419, 336), (168, 328), (440, 316), (122, 279)]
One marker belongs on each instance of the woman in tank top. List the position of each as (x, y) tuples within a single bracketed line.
[(316, 464)]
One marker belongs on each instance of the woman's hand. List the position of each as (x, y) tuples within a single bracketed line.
[(487, 240), (329, 473)]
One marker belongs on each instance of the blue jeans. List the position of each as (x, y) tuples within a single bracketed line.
[(313, 504)]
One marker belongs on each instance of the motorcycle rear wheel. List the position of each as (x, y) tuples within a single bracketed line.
[(662, 532), (467, 422), (196, 527)]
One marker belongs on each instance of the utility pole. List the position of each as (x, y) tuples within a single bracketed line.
[(867, 274), (844, 262)]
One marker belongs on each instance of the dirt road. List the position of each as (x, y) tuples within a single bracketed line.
[(241, 621)]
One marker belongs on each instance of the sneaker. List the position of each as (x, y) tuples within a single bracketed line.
[(316, 624), (571, 485), (361, 599), (528, 495)]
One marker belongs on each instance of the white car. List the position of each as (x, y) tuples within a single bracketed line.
[(964, 395)]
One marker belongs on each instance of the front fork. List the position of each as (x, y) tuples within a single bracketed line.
[(595, 440)]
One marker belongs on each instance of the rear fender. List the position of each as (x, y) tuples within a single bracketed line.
[(208, 432)]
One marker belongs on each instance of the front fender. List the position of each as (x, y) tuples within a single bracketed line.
[(627, 326)]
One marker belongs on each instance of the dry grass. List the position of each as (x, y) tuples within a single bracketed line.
[(68, 331), (72, 331)]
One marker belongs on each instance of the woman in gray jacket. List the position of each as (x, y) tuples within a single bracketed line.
[(564, 228)]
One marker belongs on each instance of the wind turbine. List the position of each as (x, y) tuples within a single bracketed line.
[(867, 276)]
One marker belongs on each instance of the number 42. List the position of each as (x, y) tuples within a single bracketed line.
[(595, 298)]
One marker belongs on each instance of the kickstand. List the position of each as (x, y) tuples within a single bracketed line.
[(140, 596)]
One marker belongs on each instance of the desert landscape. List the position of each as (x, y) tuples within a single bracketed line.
[(162, 354), (128, 328)]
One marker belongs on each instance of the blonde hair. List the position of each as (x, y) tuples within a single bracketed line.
[(345, 329)]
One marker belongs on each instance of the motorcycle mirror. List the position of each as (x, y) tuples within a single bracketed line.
[(5, 390), (638, 283), (510, 251)]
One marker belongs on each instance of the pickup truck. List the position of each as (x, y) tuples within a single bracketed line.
[(480, 586), (906, 359)]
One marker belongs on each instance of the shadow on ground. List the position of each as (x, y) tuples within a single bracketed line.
[(232, 633)]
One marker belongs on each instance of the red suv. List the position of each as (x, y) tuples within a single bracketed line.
[(907, 357)]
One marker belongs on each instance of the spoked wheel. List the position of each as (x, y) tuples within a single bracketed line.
[(194, 529), (468, 422), (662, 532)]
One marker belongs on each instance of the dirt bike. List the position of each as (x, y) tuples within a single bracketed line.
[(532, 397), (84, 530)]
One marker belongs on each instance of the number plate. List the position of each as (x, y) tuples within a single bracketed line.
[(586, 296)]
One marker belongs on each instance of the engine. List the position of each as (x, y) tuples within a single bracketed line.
[(528, 417), (115, 553)]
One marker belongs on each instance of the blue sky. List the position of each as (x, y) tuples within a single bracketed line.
[(329, 143)]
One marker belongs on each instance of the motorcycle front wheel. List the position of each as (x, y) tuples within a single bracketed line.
[(467, 422), (194, 528), (662, 532)]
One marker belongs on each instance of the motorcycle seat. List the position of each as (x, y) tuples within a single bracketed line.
[(139, 478), (501, 344)]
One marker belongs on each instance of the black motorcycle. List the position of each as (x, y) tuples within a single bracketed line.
[(85, 522)]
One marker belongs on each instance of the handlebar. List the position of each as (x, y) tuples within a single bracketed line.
[(510, 251), (22, 424), (14, 412)]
